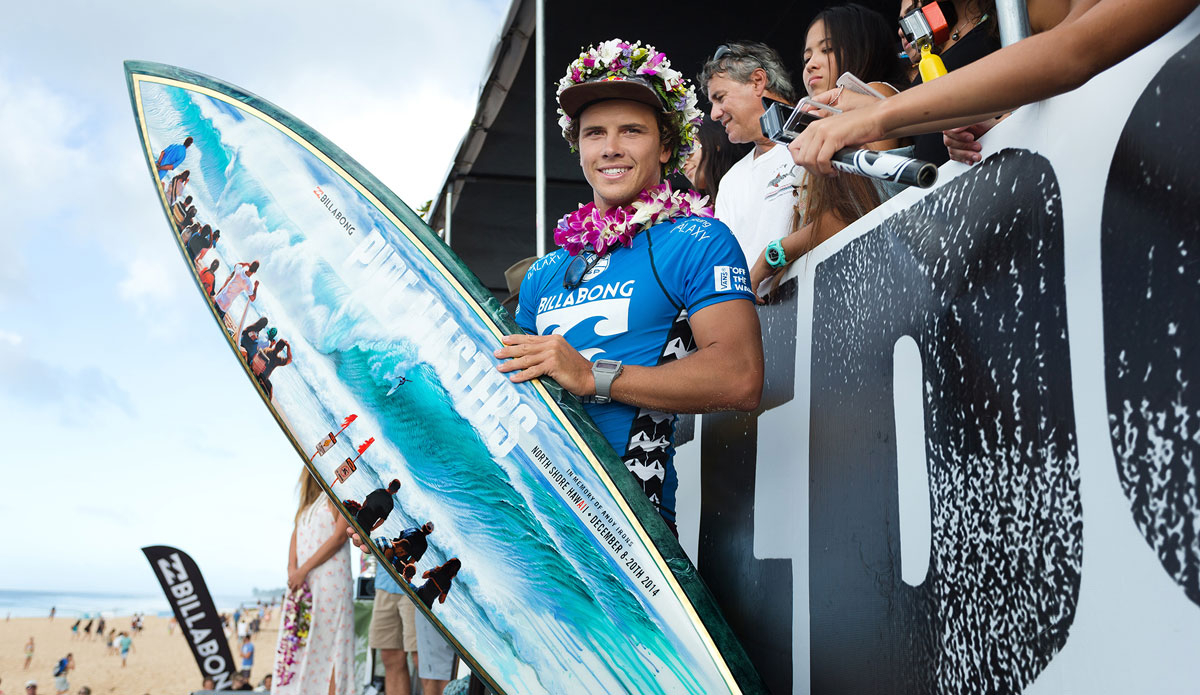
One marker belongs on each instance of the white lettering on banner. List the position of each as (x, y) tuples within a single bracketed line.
[(199, 635), (207, 648), (493, 404), (182, 590)]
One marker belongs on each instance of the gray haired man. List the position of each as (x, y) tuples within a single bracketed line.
[(755, 198)]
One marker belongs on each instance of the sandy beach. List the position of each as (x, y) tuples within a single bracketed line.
[(160, 663)]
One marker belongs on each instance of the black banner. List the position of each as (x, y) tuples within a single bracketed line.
[(194, 609)]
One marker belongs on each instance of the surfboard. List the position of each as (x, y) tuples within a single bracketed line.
[(547, 569)]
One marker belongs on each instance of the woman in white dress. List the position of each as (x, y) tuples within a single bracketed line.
[(319, 556)]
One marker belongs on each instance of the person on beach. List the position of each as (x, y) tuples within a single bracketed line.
[(247, 652), (266, 340), (53, 609), (199, 244), (434, 659), (30, 687), (87, 629), (240, 683), (180, 208), (189, 218), (175, 188), (409, 547), (377, 506), (28, 653), (171, 157), (75, 629), (209, 684), (439, 582), (318, 558), (237, 283), (64, 665), (100, 627), (393, 629), (208, 277), (124, 645), (277, 355), (112, 642), (249, 339)]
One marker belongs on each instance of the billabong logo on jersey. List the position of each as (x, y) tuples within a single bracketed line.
[(600, 267), (584, 324)]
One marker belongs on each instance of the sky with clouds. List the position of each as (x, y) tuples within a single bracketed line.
[(124, 419)]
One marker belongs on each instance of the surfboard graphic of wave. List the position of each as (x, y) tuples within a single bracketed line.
[(545, 601)]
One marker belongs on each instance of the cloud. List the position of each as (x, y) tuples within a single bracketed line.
[(76, 182), (75, 394)]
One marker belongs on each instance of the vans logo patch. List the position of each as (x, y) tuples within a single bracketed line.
[(727, 278)]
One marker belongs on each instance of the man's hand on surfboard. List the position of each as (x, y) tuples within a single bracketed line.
[(546, 355)]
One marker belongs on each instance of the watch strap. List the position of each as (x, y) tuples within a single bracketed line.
[(604, 373)]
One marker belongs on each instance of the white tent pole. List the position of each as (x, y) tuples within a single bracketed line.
[(539, 112), (449, 211), (1013, 18)]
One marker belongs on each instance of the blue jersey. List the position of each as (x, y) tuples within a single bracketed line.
[(633, 307)]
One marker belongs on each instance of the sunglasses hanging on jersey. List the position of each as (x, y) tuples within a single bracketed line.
[(578, 267)]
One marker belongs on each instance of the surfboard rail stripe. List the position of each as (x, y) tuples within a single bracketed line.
[(726, 653)]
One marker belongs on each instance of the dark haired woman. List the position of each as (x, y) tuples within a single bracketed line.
[(846, 38), (974, 34), (713, 156), (175, 188), (441, 580)]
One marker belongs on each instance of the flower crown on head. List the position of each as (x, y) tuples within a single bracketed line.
[(614, 59)]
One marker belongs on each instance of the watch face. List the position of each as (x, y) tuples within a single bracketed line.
[(607, 365)]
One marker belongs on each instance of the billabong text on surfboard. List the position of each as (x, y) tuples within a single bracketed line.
[(338, 216)]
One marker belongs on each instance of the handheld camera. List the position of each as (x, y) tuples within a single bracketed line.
[(925, 26), (782, 124)]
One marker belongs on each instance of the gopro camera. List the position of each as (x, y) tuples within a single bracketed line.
[(928, 24), (782, 123)]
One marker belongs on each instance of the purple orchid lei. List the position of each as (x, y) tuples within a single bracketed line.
[(616, 59), (297, 621), (587, 226)]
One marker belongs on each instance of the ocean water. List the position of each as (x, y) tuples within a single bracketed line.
[(542, 602), (36, 604)]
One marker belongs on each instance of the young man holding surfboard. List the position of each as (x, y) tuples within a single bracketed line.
[(646, 311)]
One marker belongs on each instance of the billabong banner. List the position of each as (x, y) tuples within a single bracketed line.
[(193, 606)]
